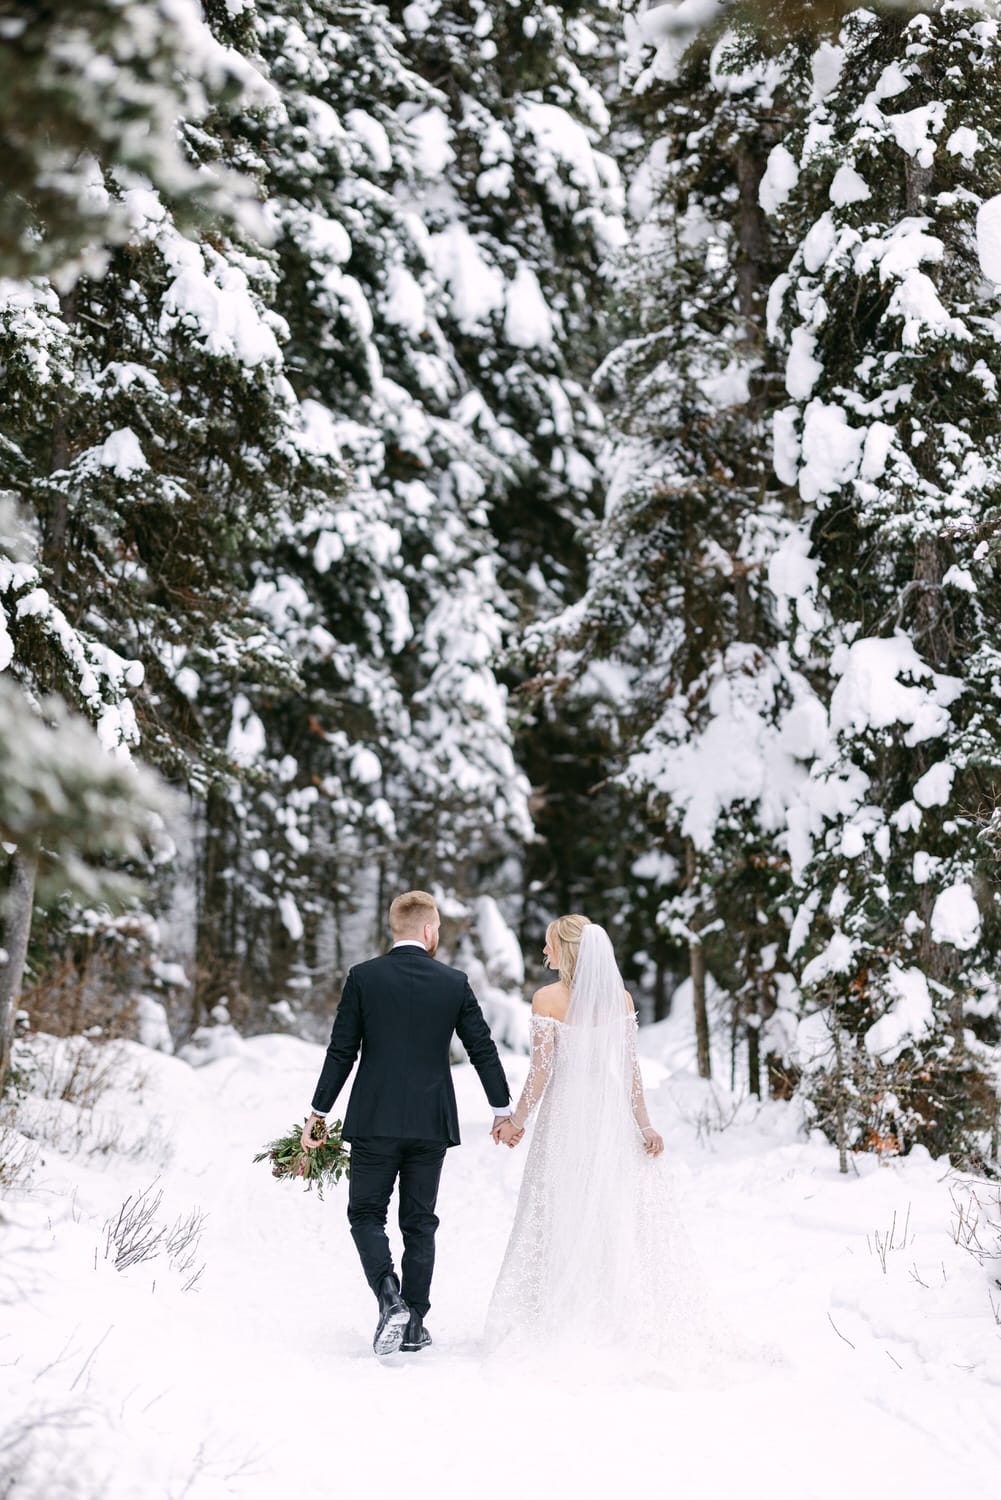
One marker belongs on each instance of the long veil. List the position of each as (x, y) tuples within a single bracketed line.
[(593, 1219), (598, 1266)]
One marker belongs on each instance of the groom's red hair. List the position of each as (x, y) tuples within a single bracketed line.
[(409, 912)]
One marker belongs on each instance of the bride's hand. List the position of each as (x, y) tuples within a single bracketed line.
[(509, 1133), (653, 1142)]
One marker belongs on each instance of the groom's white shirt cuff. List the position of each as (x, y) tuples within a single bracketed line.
[(499, 1109)]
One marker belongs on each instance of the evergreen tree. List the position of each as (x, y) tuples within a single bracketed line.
[(678, 616), (381, 793), (523, 212), (437, 341), (150, 422), (85, 83), (78, 84), (889, 191), (524, 215)]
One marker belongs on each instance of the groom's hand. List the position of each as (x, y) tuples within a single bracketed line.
[(308, 1140)]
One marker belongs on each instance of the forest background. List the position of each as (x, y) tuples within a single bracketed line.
[(548, 455)]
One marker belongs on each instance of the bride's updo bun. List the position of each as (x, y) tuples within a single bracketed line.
[(567, 932)]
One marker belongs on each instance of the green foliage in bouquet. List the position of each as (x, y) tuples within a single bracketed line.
[(329, 1162)]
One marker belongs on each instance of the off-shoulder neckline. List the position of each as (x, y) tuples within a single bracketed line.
[(627, 1015)]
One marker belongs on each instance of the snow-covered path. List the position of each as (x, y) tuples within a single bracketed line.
[(261, 1383)]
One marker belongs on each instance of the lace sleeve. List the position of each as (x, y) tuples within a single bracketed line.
[(543, 1048), (640, 1113)]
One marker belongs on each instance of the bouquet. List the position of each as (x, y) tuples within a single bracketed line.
[(328, 1162)]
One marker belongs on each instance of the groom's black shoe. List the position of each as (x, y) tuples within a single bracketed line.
[(415, 1335), (393, 1315)]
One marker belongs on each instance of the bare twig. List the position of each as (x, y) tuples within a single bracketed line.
[(62, 1355), (183, 1240), (881, 1245), (132, 1234), (840, 1335), (90, 1356)]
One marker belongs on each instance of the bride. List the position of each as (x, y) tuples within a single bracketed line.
[(596, 1256)]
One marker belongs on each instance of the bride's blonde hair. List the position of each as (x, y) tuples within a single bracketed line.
[(567, 932)]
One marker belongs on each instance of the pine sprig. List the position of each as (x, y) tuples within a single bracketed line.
[(329, 1162)]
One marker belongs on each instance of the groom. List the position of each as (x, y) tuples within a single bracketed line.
[(402, 1009)]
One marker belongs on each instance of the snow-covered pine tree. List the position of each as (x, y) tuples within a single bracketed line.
[(678, 616), (352, 587), (523, 211), (890, 190), (77, 83), (161, 446), (84, 83), (439, 342)]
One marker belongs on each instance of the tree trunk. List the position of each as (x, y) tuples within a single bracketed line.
[(697, 961), (214, 956), (16, 928), (734, 1034), (661, 999), (752, 259), (754, 1054), (917, 184), (381, 914), (841, 1124)]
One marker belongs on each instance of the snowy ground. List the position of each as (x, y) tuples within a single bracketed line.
[(260, 1382)]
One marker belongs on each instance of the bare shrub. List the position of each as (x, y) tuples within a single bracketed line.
[(77, 1070), (714, 1114), (976, 1219), (220, 1469), (976, 1228), (91, 966), (109, 1135), (882, 1242), (88, 1133), (17, 1154), (78, 1073), (135, 1236), (182, 1246)]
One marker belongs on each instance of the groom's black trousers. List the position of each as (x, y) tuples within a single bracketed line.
[(376, 1164)]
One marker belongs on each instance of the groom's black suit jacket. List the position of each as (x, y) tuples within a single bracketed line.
[(401, 1009)]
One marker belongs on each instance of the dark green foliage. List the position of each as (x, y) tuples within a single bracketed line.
[(86, 84)]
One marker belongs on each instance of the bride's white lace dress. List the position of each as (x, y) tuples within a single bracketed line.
[(597, 1257)]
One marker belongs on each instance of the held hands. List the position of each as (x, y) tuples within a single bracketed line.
[(506, 1132)]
